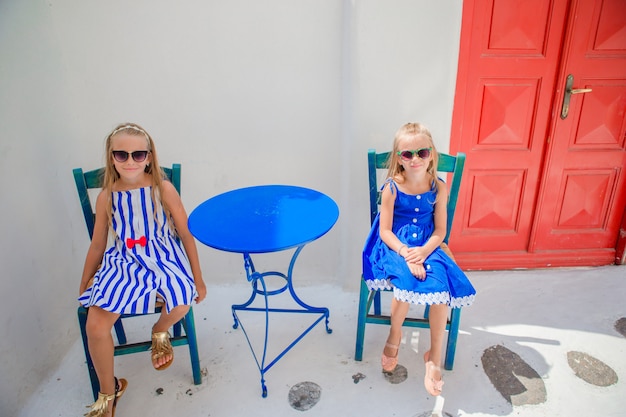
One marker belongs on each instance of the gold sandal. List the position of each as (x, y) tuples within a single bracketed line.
[(101, 406), (161, 346)]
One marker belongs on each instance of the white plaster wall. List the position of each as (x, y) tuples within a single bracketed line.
[(241, 92)]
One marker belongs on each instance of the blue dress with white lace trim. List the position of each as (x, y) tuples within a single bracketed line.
[(413, 224), (143, 260)]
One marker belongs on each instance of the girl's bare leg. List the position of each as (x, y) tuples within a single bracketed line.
[(437, 318), (399, 310), (100, 342)]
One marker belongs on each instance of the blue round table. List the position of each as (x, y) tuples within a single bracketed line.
[(264, 219)]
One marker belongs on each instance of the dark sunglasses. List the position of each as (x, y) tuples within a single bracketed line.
[(122, 156), (423, 153)]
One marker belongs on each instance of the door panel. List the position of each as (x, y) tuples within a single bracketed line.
[(601, 122), (586, 170), (539, 189), (517, 30), (500, 118)]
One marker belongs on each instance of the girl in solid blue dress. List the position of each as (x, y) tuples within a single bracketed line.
[(403, 250), (143, 215)]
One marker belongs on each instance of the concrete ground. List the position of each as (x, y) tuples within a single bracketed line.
[(535, 343)]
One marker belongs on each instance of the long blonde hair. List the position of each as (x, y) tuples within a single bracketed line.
[(395, 169), (153, 168)]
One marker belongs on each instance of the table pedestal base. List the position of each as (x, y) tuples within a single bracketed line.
[(257, 280)]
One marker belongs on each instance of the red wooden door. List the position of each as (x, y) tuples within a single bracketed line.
[(539, 189)]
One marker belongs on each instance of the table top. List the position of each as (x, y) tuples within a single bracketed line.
[(261, 219)]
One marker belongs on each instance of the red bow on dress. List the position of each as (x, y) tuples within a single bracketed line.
[(130, 243)]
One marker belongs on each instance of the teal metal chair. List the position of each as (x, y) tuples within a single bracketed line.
[(93, 180), (376, 161)]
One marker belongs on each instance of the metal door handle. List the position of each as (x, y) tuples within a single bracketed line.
[(580, 90), (568, 93)]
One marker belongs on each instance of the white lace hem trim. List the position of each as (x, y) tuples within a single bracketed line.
[(442, 297), (378, 284), (422, 298), (459, 302)]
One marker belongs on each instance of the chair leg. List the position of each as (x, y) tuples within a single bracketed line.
[(377, 308), (119, 332), (453, 333), (188, 323), (362, 315), (93, 377), (177, 329)]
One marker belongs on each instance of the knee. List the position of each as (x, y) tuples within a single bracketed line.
[(98, 326), (180, 311), (438, 310)]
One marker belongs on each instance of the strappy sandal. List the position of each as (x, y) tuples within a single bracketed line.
[(161, 346), (389, 363), (432, 386), (101, 406)]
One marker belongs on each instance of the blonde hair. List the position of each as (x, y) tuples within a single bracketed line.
[(153, 168), (395, 169)]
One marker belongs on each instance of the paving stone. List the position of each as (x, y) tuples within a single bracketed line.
[(397, 376), (620, 326), (304, 395), (512, 377), (591, 370)]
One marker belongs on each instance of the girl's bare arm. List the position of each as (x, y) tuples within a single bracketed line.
[(98, 241), (386, 219)]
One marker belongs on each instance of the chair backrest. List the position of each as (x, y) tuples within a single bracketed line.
[(93, 180), (447, 163)]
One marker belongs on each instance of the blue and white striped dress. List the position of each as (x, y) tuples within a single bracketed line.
[(131, 275)]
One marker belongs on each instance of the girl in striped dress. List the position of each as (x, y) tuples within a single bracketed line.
[(134, 256)]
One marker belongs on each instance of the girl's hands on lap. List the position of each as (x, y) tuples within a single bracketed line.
[(417, 270), (416, 254)]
